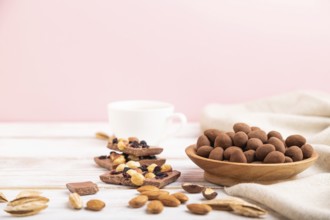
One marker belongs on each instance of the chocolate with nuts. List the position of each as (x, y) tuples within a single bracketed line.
[(133, 148), (161, 176), (108, 163)]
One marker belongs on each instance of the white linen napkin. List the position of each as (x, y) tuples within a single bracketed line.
[(306, 196)]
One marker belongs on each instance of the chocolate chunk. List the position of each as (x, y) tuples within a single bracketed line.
[(143, 142), (83, 188), (103, 157)]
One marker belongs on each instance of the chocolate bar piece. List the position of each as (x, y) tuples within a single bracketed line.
[(83, 188), (120, 179), (135, 149), (105, 162)]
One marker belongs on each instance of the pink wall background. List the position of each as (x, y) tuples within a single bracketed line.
[(64, 60)]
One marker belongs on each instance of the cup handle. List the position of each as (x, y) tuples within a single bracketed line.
[(181, 120)]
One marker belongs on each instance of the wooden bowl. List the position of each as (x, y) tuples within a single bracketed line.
[(229, 173)]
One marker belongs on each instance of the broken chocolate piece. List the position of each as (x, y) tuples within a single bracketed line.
[(83, 188), (107, 163), (119, 179), (142, 150)]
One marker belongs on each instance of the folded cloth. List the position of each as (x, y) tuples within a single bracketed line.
[(305, 113), (306, 196)]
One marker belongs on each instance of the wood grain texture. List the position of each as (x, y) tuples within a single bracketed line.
[(46, 156)]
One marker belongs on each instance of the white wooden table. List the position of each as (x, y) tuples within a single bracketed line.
[(46, 156)]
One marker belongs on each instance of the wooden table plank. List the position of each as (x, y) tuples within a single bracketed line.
[(46, 156)]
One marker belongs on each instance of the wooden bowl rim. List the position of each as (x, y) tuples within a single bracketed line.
[(191, 151)]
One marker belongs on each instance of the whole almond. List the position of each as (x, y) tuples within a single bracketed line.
[(95, 205), (75, 201), (169, 200), (181, 197), (155, 207), (138, 201), (3, 198), (199, 209), (147, 188), (154, 194)]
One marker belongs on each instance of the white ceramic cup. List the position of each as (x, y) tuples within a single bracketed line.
[(144, 119)]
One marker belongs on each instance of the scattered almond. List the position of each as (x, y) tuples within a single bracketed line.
[(192, 188), (138, 201), (209, 193), (95, 205), (181, 197), (75, 201), (169, 200), (155, 207), (199, 209), (152, 195), (147, 188)]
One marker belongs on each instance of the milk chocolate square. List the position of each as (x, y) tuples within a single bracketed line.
[(83, 188)]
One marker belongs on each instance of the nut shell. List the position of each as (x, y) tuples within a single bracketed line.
[(192, 188), (209, 193)]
